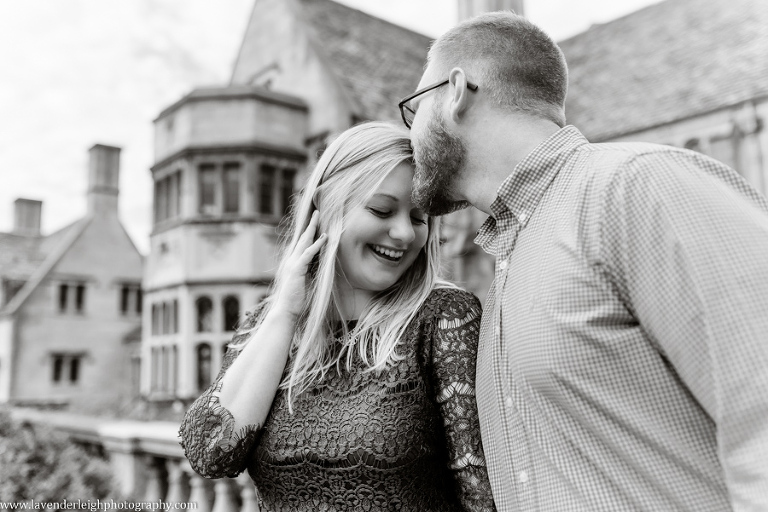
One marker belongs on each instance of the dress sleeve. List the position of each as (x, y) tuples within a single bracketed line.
[(452, 369), (211, 445)]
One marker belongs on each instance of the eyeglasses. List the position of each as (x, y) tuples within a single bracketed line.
[(405, 108)]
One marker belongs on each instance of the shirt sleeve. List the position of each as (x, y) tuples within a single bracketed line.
[(454, 355), (686, 239), (211, 445)]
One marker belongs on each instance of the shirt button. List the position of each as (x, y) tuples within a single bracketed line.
[(497, 331), (522, 477), (503, 265), (509, 402), (522, 217)]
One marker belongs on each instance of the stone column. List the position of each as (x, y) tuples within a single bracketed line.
[(127, 465), (224, 497), (156, 483), (247, 493), (200, 492), (178, 482)]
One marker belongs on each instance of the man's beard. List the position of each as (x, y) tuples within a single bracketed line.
[(439, 158)]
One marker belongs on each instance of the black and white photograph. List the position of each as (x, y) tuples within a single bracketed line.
[(367, 255)]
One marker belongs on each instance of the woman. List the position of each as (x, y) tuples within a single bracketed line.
[(352, 386)]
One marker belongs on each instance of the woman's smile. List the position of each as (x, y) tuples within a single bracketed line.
[(391, 255)]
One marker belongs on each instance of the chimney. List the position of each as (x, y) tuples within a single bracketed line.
[(103, 179), (26, 219), (470, 8)]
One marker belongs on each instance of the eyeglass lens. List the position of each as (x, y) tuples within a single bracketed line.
[(408, 114)]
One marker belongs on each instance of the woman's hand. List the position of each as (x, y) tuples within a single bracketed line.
[(292, 294), (249, 385)]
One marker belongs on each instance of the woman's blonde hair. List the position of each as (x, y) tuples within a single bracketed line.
[(348, 173)]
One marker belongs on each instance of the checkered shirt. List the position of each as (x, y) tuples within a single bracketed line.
[(623, 360)]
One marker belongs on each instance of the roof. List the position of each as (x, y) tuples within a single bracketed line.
[(666, 62), (376, 62), (236, 92), (30, 259), (21, 255), (669, 61)]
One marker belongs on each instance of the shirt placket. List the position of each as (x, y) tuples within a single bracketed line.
[(514, 432)]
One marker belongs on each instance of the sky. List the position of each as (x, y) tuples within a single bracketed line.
[(74, 73)]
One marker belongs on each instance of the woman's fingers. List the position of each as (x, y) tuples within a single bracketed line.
[(307, 247), (305, 240), (312, 250), (293, 291)]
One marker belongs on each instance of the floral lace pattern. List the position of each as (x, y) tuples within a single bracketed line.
[(404, 439), (211, 446), (207, 432)]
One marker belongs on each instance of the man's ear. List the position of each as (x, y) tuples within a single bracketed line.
[(460, 99)]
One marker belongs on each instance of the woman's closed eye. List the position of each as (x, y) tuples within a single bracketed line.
[(380, 213), (386, 213)]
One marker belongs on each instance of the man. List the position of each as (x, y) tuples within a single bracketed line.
[(623, 359)]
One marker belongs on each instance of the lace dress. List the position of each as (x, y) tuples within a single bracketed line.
[(405, 440)]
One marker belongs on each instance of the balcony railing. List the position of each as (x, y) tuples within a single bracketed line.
[(148, 463)]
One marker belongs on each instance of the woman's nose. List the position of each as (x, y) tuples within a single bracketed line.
[(402, 229)]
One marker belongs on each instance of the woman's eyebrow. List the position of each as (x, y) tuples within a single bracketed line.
[(389, 196)]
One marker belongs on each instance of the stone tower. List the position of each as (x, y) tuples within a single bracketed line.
[(469, 8), (226, 159)]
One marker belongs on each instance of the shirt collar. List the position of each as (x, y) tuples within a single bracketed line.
[(520, 193)]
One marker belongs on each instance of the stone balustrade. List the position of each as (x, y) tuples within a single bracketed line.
[(148, 462)]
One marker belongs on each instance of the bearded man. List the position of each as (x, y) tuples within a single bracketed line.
[(623, 361)]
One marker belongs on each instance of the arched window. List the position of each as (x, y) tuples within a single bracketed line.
[(204, 314), (203, 366), (231, 313)]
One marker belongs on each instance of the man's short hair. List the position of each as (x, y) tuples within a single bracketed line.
[(513, 60)]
